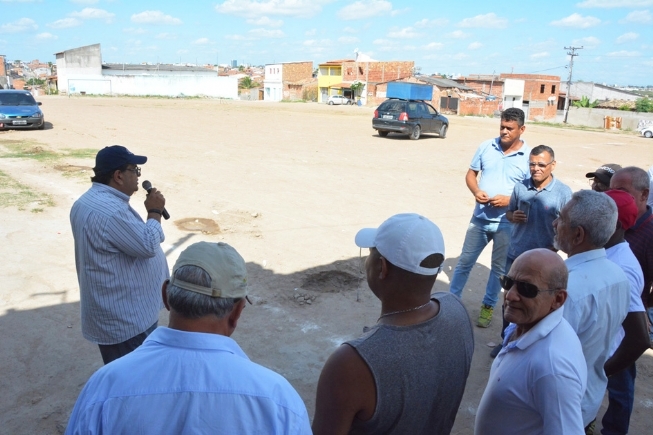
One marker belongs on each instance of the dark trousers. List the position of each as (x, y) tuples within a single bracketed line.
[(621, 394), (112, 352)]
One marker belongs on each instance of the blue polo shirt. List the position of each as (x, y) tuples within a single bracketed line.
[(545, 208), (499, 173)]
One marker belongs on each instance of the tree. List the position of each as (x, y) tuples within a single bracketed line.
[(356, 88), (585, 102), (247, 83), (644, 105)]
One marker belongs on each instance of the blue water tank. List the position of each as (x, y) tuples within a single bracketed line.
[(409, 91)]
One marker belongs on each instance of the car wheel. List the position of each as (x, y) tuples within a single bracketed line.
[(443, 131), (383, 133), (330, 103), (648, 134), (415, 134)]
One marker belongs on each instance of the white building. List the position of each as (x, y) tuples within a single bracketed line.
[(80, 70), (273, 84)]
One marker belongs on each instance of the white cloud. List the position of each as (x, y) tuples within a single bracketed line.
[(21, 25), (310, 32), (614, 3), (577, 21), (487, 21), (382, 42), (166, 36), (405, 33), (18, 1), (630, 36), (46, 36), (265, 21), (265, 33), (201, 41), (154, 17), (134, 31), (540, 55), (349, 30), (236, 38), (94, 14), (65, 23), (624, 53), (458, 34), (474, 46), (431, 23), (362, 9), (252, 8), (433, 46), (588, 42), (348, 40), (85, 2), (639, 17)]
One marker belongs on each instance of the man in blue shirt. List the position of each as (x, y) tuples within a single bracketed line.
[(192, 377), (502, 162)]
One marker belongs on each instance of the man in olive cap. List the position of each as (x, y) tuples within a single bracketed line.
[(192, 377), (119, 260)]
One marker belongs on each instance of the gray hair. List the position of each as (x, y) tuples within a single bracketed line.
[(558, 277), (596, 212), (638, 177), (192, 305)]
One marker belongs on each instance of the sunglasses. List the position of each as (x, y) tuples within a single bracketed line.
[(525, 289)]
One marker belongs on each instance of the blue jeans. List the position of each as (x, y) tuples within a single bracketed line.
[(479, 234), (649, 313), (621, 393)]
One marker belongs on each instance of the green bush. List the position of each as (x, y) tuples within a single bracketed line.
[(644, 105), (624, 107)]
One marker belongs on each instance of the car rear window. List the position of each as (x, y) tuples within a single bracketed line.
[(392, 106)]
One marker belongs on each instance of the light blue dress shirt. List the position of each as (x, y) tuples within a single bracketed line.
[(181, 382), (499, 173), (597, 303)]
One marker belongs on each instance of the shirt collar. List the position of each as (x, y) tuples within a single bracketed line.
[(496, 143), (195, 340), (111, 190), (536, 333), (643, 218), (584, 257), (548, 187)]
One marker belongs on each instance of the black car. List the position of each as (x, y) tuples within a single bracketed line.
[(411, 117)]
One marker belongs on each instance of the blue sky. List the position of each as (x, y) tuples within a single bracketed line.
[(472, 37)]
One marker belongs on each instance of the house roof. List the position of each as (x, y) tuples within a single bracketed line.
[(443, 83), (159, 67)]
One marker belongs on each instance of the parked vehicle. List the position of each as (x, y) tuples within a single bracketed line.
[(339, 99), (647, 131), (18, 109), (411, 117)]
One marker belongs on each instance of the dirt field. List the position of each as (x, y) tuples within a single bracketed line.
[(288, 185)]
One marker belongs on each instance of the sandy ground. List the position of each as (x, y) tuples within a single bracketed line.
[(288, 185)]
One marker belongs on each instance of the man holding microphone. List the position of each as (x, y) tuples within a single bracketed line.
[(119, 260)]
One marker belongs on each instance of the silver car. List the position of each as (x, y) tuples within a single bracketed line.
[(339, 99)]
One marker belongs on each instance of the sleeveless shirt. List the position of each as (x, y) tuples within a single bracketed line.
[(419, 371)]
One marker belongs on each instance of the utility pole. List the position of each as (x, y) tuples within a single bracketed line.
[(571, 53)]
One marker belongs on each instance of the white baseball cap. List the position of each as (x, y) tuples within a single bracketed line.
[(405, 240)]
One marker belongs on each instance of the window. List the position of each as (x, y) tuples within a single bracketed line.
[(334, 71), (324, 71), (553, 89), (542, 88)]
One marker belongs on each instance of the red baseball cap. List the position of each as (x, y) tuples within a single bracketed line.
[(626, 207)]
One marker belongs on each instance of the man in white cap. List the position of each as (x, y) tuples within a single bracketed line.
[(407, 373), (192, 377)]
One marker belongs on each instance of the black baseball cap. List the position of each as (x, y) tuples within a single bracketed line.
[(111, 158), (604, 173)]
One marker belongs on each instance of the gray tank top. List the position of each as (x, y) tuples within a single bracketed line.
[(419, 371)]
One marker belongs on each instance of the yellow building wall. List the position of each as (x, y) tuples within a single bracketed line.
[(326, 81)]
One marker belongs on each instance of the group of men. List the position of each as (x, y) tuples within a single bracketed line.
[(574, 328), (604, 286)]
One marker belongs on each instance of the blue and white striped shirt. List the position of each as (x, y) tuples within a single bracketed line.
[(120, 266)]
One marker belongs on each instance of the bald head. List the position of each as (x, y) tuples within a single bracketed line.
[(551, 269)]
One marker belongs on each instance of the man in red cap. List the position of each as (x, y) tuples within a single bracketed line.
[(632, 340)]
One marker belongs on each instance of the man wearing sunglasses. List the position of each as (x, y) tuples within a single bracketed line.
[(599, 291), (537, 381), (119, 260)]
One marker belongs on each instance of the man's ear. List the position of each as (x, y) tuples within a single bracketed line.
[(579, 235), (234, 316), (164, 293), (383, 273), (559, 298)]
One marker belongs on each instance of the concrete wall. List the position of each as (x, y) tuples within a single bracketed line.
[(596, 117), (477, 107), (593, 92), (377, 72), (164, 85), (82, 61)]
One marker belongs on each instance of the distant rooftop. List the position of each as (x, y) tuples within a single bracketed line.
[(443, 83), (153, 68)]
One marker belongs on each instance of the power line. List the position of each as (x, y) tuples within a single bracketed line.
[(572, 54), (548, 69)]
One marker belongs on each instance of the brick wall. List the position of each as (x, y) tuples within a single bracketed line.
[(477, 106), (377, 72), (3, 71), (296, 71), (484, 86), (541, 91)]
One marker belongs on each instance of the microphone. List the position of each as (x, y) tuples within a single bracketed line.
[(148, 186)]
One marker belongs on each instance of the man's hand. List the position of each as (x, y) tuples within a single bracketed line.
[(481, 197), (518, 217), (499, 201), (154, 201)]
